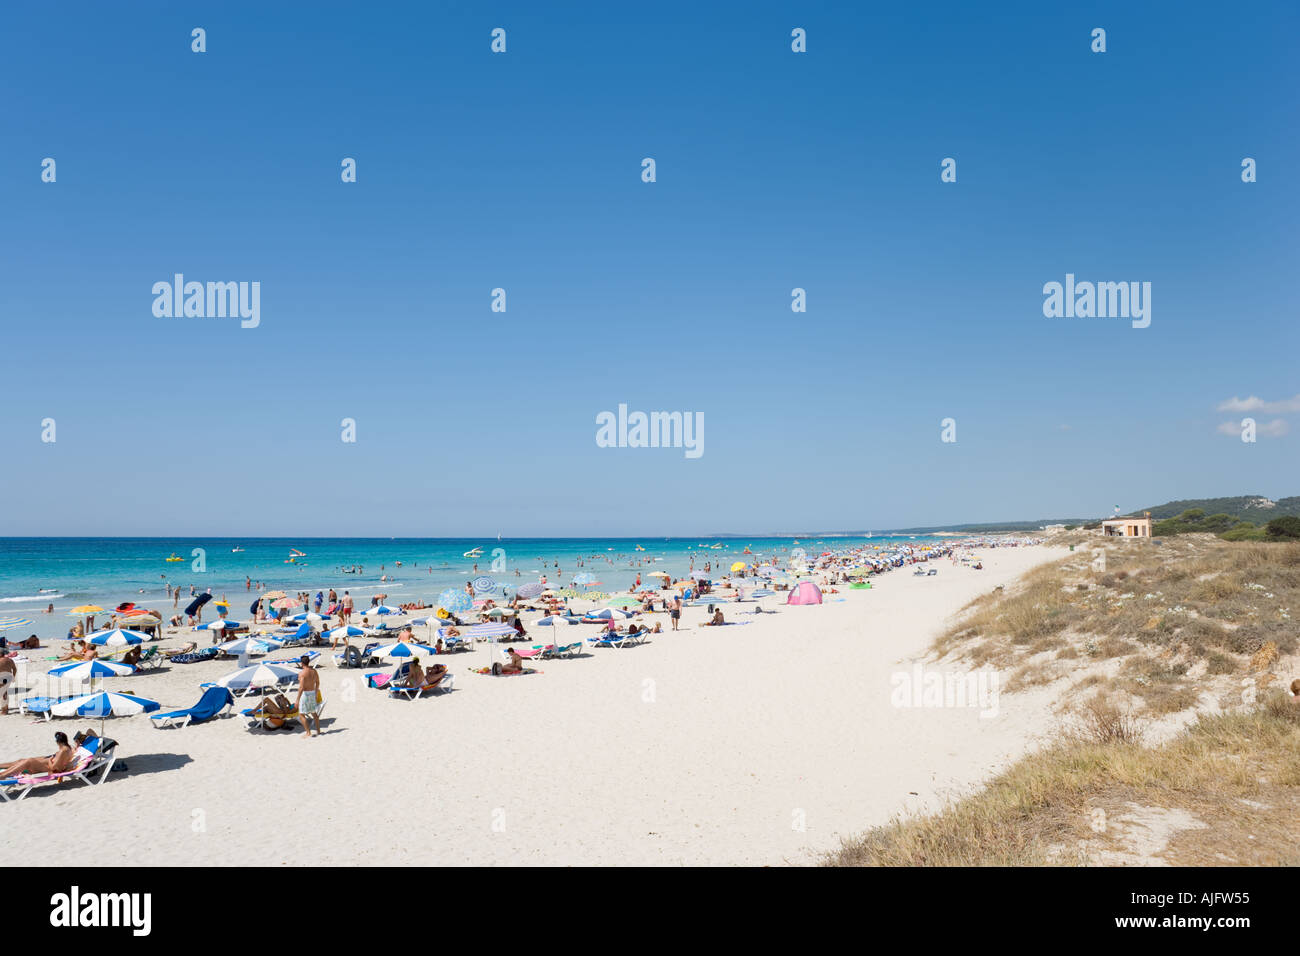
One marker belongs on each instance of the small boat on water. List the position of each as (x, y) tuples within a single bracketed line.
[(174, 557), (475, 553), (236, 550)]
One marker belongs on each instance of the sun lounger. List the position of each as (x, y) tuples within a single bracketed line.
[(264, 719), (94, 757), (39, 705), (208, 653), (551, 651), (380, 681), (297, 661), (415, 693), (212, 703), (616, 640)]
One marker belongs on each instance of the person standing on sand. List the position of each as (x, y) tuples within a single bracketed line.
[(8, 674), (346, 612), (308, 702), (676, 612)]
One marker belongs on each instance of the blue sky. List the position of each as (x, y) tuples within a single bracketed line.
[(522, 170)]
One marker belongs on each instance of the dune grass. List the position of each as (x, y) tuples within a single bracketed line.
[(1235, 777), (1167, 614), (1156, 626)]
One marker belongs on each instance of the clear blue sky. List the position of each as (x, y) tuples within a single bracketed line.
[(522, 170)]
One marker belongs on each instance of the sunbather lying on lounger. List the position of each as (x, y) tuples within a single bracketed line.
[(56, 762), (273, 711)]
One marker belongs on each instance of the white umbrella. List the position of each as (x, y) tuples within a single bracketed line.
[(256, 676)]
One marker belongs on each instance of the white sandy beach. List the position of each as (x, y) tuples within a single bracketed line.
[(758, 744)]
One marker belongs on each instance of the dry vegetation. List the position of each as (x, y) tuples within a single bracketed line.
[(1227, 790), (1164, 622), (1196, 624)]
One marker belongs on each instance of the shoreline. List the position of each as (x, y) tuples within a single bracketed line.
[(757, 744)]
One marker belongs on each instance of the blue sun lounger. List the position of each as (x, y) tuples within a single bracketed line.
[(212, 703), (39, 705)]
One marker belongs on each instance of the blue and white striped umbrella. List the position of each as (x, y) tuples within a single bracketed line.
[(309, 617), (117, 638), (607, 613), (488, 630), (381, 609), (258, 675), (252, 645), (104, 704), (454, 600), (85, 670), (485, 585), (402, 649), (530, 590), (19, 622), (219, 625), (584, 578), (348, 631), (552, 620)]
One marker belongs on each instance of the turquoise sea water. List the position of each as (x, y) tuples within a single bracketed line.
[(67, 572)]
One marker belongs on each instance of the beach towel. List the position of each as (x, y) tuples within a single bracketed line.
[(488, 672)]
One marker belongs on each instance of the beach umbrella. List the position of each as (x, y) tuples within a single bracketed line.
[(454, 600), (272, 595), (257, 675), (738, 566), (499, 612), (584, 578), (626, 600), (381, 609), (252, 645), (659, 574), (309, 616), (610, 613), (531, 590), (15, 622), (103, 704), (483, 583), (402, 649), (117, 638), (567, 593), (284, 603), (346, 632), (85, 670), (146, 619), (87, 609), (221, 624), (556, 619), (488, 631)]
